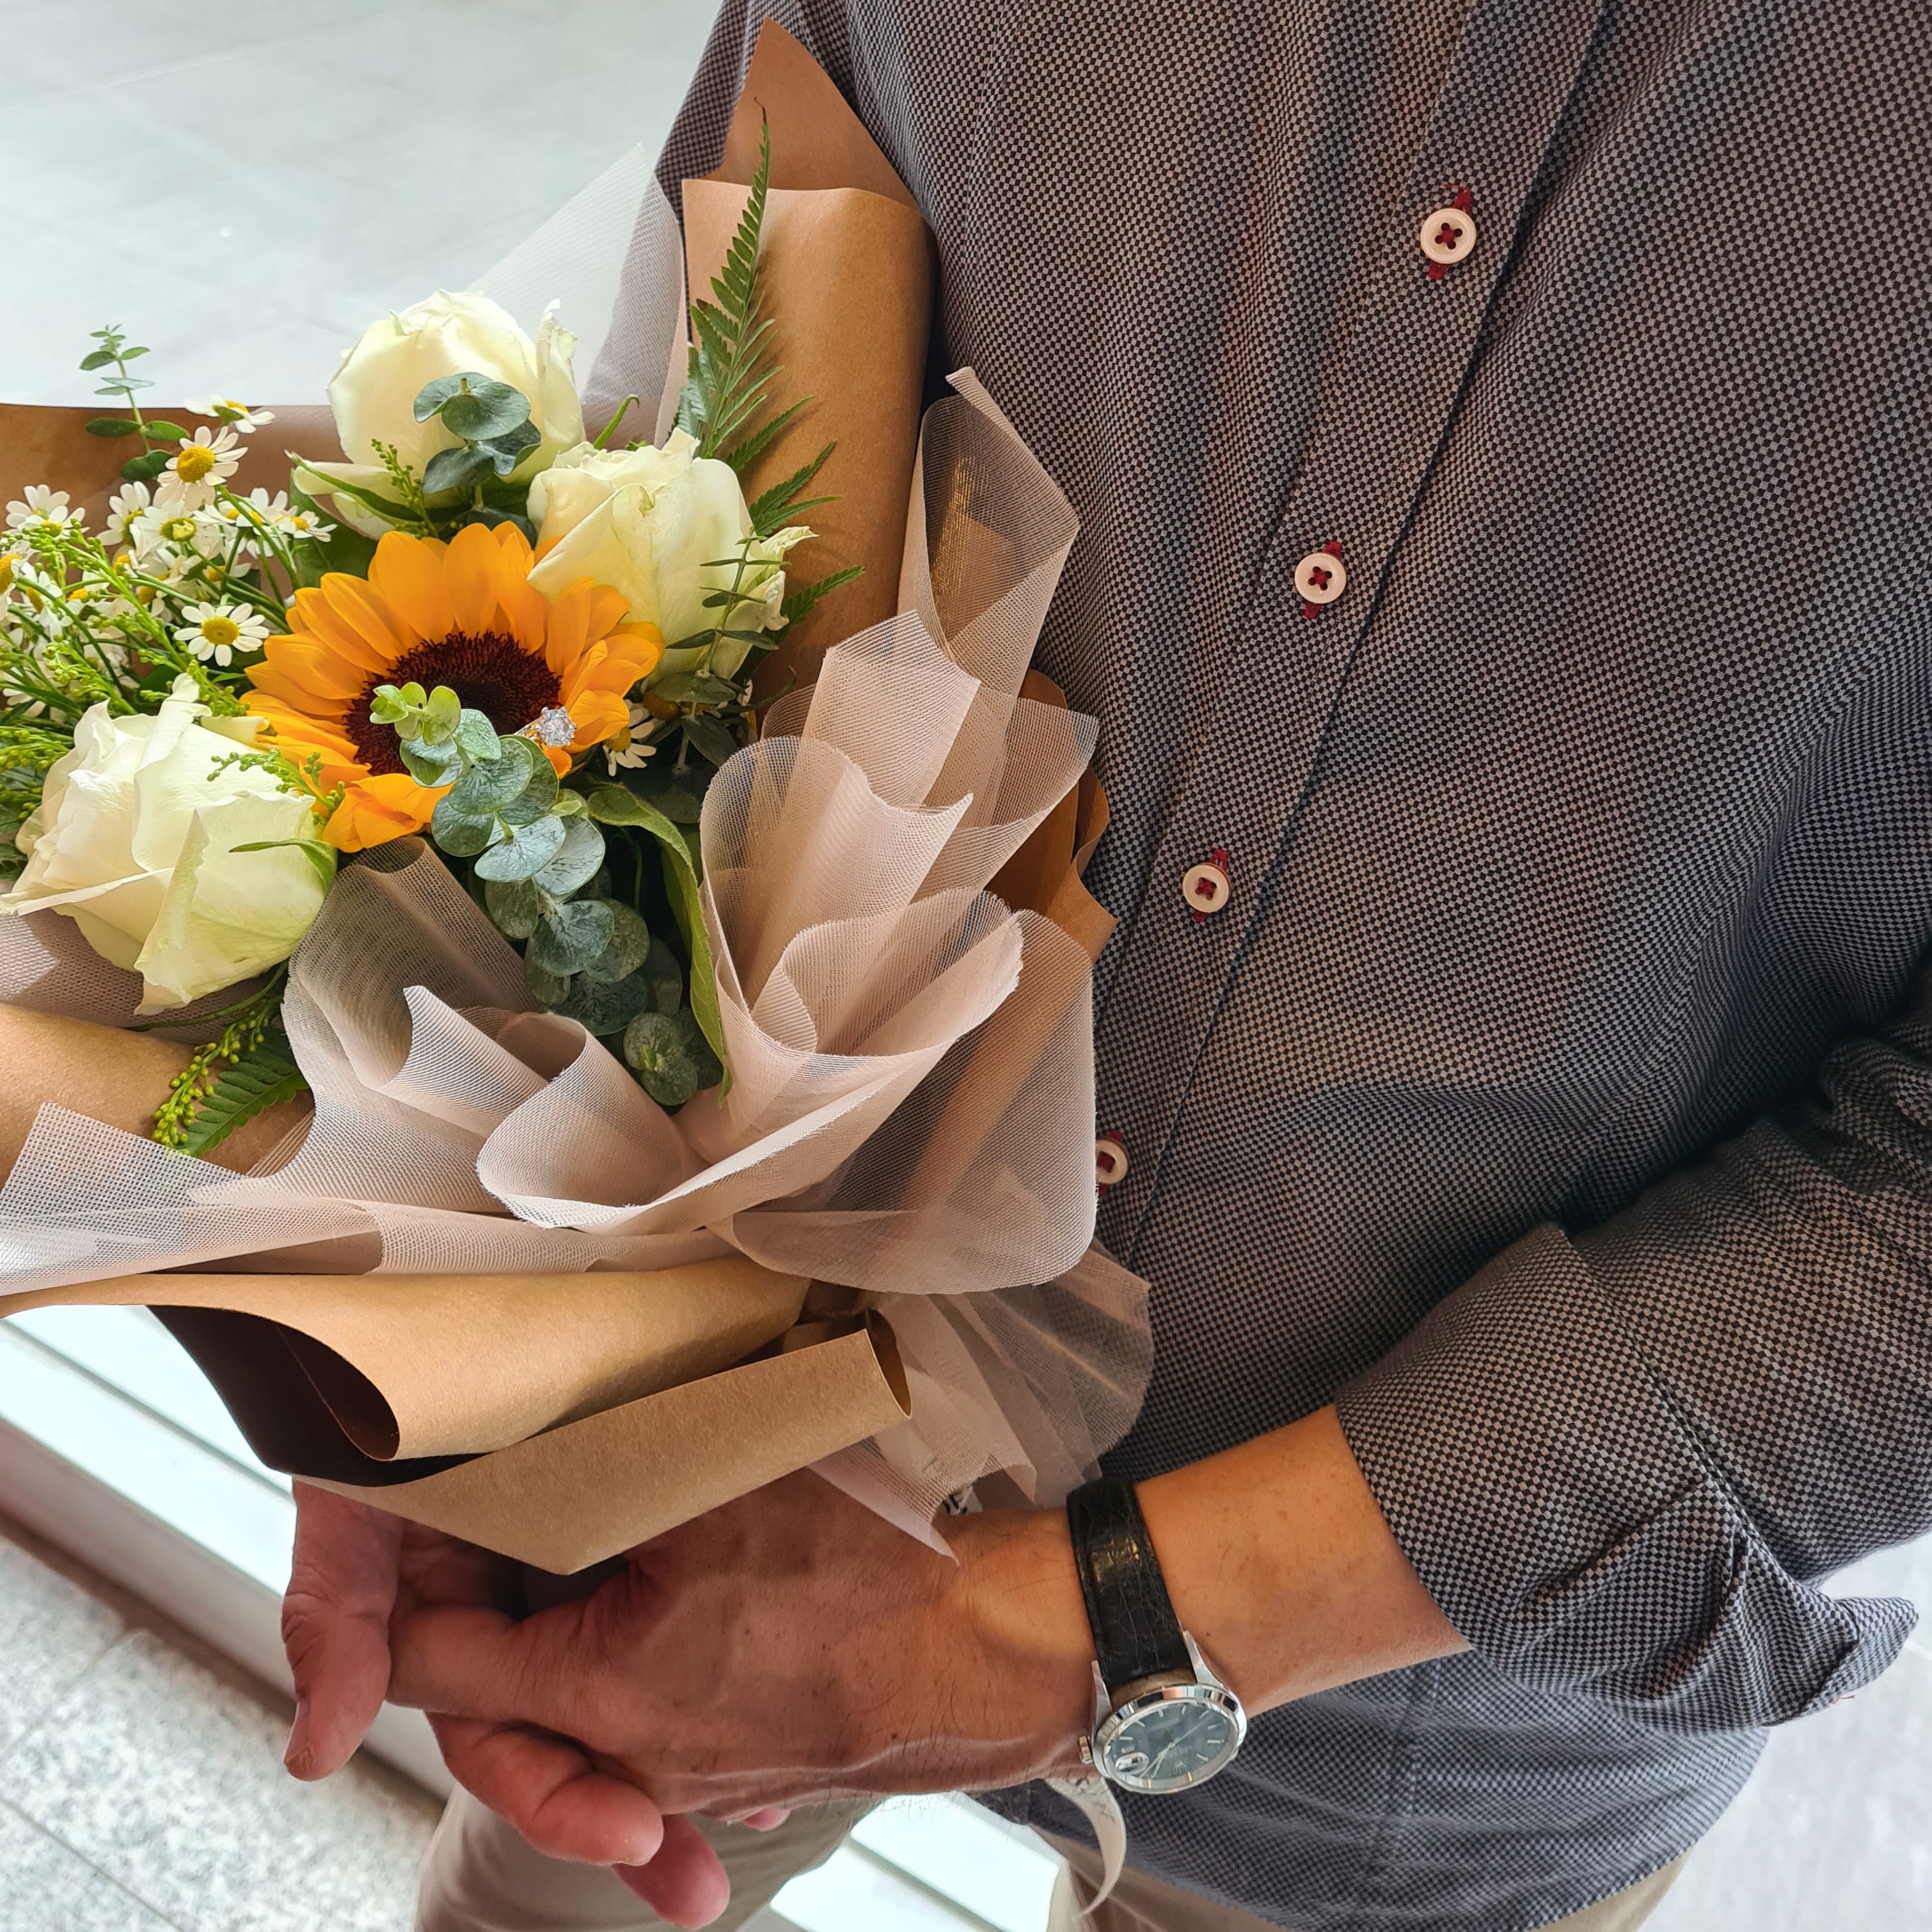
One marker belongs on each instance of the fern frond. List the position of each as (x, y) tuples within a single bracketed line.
[(265, 1075), (748, 448), (780, 502), (725, 384), (801, 602)]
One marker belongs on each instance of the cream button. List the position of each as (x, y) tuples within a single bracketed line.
[(1319, 577), (1447, 235), (1110, 1160), (1206, 887)]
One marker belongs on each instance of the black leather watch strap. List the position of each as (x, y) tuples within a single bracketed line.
[(1135, 1633)]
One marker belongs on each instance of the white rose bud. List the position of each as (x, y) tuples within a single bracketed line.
[(134, 840), (374, 392), (660, 526)]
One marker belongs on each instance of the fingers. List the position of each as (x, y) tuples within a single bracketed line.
[(550, 1791), (464, 1661), (335, 1625), (685, 1884), (769, 1820)]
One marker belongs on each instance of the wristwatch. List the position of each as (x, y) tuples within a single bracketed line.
[(1162, 1720)]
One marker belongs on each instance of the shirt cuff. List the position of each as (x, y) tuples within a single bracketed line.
[(1569, 1528)]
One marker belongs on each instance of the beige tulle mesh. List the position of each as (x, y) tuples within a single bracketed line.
[(911, 1108)]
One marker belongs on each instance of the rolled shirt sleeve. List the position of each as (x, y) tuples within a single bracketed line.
[(1622, 1459)]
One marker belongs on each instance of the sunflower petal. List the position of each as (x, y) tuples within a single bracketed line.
[(356, 605), (376, 810), (469, 568), (408, 574), (598, 715), (606, 610), (312, 682), (569, 626)]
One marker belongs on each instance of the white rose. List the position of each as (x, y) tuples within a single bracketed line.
[(134, 840), (659, 525), (374, 392)]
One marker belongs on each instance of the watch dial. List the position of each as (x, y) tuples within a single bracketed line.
[(1168, 1745)]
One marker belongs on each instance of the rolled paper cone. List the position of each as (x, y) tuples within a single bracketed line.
[(49, 444), (421, 1365), (117, 1078), (577, 1495), (847, 267)]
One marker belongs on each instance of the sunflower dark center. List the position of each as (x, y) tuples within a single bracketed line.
[(490, 673)]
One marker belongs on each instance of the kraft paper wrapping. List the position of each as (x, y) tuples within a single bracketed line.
[(616, 1393), (415, 1365), (111, 1076), (847, 267), (564, 1500)]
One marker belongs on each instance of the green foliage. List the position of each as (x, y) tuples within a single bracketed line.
[(671, 1056), (726, 382), (246, 1070), (803, 600), (784, 501)]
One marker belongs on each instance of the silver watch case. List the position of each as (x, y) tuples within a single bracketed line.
[(1167, 1734)]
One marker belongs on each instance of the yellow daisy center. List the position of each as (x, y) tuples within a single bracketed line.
[(220, 630), (6, 573), (194, 463), (179, 530)]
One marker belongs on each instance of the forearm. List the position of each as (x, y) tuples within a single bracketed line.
[(1276, 1558)]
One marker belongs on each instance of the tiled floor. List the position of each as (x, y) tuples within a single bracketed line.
[(142, 1789), (245, 184)]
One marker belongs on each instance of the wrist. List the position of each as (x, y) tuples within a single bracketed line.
[(1015, 1605)]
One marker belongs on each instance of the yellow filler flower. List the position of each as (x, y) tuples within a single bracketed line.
[(463, 613)]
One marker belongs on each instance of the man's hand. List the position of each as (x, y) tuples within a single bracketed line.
[(790, 1646)]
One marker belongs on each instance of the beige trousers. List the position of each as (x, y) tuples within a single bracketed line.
[(480, 1876)]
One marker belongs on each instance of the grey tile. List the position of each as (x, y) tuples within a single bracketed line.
[(45, 1888), (170, 1781), (50, 1633), (287, 158), (1834, 1832)]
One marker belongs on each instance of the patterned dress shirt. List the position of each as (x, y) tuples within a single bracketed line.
[(1551, 1088)]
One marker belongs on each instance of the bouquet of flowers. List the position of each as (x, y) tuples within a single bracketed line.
[(629, 1046)]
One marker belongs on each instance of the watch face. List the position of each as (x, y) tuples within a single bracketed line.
[(1172, 1739)]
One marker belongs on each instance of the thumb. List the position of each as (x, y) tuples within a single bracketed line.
[(335, 1625)]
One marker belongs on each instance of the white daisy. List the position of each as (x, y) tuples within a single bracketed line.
[(125, 508), (629, 749), (230, 413), (204, 459), (217, 631), (303, 525), (41, 505)]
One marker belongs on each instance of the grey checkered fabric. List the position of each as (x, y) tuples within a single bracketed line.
[(1552, 1091)]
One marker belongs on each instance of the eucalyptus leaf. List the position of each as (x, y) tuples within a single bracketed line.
[(514, 906), (567, 939), (525, 852), (666, 976), (428, 764), (580, 855), (628, 948), (452, 469), (539, 793), (481, 409), (606, 1008), (113, 426), (145, 469), (711, 739), (506, 451), (462, 835), (656, 1051), (488, 788), (550, 990)]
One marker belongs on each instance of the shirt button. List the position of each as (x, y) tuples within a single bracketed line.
[(1320, 578), (1110, 1160), (1206, 886), (1447, 235)]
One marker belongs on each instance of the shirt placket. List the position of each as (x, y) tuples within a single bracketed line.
[(1514, 66)]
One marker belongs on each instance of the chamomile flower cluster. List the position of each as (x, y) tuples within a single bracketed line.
[(187, 577)]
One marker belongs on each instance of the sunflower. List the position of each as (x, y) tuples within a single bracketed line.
[(463, 613)]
